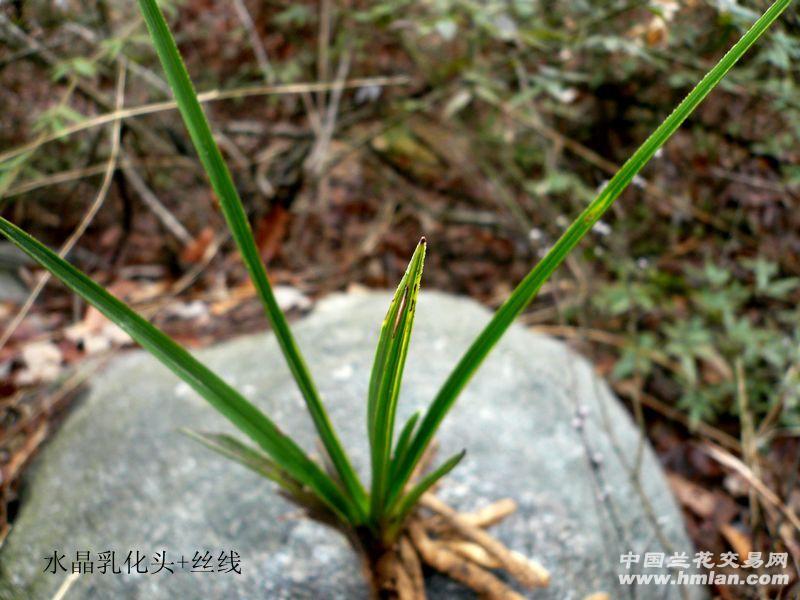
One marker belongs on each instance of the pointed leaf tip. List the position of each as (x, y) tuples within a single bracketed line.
[(387, 374)]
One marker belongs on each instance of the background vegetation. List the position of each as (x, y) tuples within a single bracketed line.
[(498, 122)]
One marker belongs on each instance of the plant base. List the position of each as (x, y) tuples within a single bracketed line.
[(455, 544)]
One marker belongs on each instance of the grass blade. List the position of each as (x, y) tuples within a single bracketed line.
[(387, 375), (232, 209), (231, 448), (402, 442), (242, 413), (526, 291), (409, 501)]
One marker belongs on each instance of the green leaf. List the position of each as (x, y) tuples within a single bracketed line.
[(222, 182), (295, 15), (80, 66), (526, 291), (10, 170), (387, 376), (407, 502), (243, 414), (402, 442), (231, 448), (57, 119), (113, 46)]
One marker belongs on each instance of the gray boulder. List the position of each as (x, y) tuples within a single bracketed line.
[(11, 287), (537, 424)]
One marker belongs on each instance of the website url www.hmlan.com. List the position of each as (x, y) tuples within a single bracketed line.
[(683, 578)]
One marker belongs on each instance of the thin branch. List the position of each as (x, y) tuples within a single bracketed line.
[(727, 459), (323, 42), (316, 160), (209, 96), (255, 42), (602, 163), (87, 88), (96, 169), (153, 203), (724, 439), (88, 217)]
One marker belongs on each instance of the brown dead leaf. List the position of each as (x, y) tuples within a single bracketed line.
[(270, 231), (288, 298), (194, 251), (738, 539), (95, 335), (694, 497), (42, 363)]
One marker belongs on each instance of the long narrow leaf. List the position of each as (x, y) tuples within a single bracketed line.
[(242, 413), (526, 291), (231, 448), (387, 337), (387, 375), (231, 204), (403, 440)]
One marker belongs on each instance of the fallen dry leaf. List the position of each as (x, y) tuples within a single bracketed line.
[(696, 498), (196, 249), (42, 363), (739, 540), (95, 333), (270, 231), (288, 298), (94, 340)]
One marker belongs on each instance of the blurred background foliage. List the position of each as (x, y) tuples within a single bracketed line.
[(485, 126), (510, 116)]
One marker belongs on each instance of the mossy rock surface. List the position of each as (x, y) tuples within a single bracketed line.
[(118, 476)]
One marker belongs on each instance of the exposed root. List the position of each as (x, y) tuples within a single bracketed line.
[(410, 559), (452, 544), (460, 569), (389, 578), (482, 518), (527, 572), (473, 552), (405, 585), (437, 536), (490, 515)]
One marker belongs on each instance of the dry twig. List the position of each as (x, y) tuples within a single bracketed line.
[(87, 218), (154, 204), (765, 493), (210, 96)]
